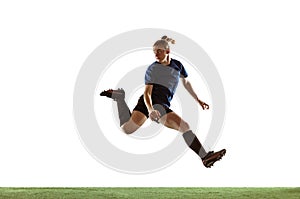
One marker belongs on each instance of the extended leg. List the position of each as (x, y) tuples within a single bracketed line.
[(172, 120)]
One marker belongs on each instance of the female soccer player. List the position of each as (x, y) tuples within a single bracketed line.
[(161, 80)]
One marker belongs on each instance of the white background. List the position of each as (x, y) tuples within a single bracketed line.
[(255, 46)]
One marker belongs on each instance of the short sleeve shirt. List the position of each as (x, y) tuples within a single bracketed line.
[(165, 80)]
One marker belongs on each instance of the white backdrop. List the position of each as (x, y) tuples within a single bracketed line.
[(255, 46)]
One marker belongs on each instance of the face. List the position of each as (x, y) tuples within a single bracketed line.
[(160, 54)]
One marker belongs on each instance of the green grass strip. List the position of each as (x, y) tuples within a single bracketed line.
[(149, 193)]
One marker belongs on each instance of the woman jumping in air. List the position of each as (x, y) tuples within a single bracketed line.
[(161, 80)]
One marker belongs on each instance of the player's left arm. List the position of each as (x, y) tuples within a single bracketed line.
[(188, 86)]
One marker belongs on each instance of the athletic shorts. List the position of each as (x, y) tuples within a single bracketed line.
[(141, 106)]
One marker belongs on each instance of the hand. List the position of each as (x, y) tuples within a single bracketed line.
[(154, 115), (203, 105)]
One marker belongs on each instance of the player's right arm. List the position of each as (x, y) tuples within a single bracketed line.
[(153, 114)]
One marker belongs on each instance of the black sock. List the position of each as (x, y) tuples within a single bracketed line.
[(192, 141), (123, 110)]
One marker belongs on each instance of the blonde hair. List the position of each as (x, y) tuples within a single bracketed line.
[(163, 43)]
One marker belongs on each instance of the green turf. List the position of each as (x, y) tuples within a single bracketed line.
[(157, 193)]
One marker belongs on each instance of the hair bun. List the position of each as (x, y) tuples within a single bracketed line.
[(166, 38)]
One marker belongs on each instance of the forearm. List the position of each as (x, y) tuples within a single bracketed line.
[(189, 88), (147, 97), (148, 102)]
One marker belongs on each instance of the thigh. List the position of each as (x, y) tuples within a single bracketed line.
[(136, 120), (174, 121)]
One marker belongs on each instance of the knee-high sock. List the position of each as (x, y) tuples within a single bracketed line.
[(123, 110), (192, 141)]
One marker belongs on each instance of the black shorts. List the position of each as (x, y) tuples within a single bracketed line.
[(141, 106)]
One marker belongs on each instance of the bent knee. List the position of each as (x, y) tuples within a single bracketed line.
[(128, 129)]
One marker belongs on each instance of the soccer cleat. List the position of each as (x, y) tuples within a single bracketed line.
[(114, 94), (212, 157)]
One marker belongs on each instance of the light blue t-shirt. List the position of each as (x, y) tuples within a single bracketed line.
[(165, 80)]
